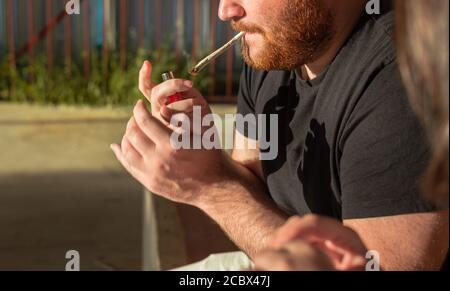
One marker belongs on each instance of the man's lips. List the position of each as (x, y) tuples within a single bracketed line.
[(251, 31)]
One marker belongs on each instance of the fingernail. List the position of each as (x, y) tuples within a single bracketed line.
[(188, 83)]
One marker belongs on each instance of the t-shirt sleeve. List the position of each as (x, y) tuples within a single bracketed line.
[(246, 103), (384, 153)]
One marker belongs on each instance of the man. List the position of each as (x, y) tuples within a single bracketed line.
[(422, 49), (349, 145)]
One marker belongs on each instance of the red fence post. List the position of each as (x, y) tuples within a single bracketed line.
[(30, 29), (44, 32), (11, 42), (67, 44), (123, 33), (179, 28), (50, 43), (196, 29), (141, 29), (158, 24), (10, 32), (86, 38)]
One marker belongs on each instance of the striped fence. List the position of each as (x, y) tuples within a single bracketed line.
[(31, 27)]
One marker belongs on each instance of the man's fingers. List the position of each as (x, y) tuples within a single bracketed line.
[(304, 228), (152, 127), (143, 145), (271, 260), (314, 228), (145, 83), (131, 168), (340, 243), (117, 149), (287, 233), (118, 153), (346, 260), (295, 256), (301, 228), (308, 256), (131, 157), (162, 92), (185, 106)]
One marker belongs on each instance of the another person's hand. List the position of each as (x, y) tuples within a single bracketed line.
[(297, 255), (313, 243), (148, 155)]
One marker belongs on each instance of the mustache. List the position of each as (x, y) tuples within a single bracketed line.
[(250, 28)]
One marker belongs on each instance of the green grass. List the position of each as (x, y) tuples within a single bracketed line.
[(109, 85)]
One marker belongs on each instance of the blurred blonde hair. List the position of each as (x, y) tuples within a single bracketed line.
[(422, 33)]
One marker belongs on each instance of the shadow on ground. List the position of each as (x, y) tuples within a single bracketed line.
[(42, 216), (61, 189)]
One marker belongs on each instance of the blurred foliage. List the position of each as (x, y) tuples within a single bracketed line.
[(110, 85)]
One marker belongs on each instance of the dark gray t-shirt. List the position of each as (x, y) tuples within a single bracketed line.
[(349, 143)]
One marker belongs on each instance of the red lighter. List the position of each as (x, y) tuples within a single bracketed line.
[(175, 97)]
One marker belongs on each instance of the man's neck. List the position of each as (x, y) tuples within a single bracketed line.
[(343, 29)]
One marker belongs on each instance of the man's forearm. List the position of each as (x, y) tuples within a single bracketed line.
[(241, 205), (424, 243)]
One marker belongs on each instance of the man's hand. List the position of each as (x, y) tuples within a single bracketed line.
[(178, 175), (297, 255), (146, 150), (313, 243), (211, 180)]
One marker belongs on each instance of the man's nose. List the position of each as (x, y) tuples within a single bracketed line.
[(230, 9)]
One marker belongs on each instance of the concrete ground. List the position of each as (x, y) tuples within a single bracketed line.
[(62, 189)]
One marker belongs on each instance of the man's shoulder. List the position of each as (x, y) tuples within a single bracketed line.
[(369, 55), (372, 41)]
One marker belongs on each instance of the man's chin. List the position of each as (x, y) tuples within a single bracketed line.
[(251, 62), (261, 63), (254, 57), (262, 60)]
